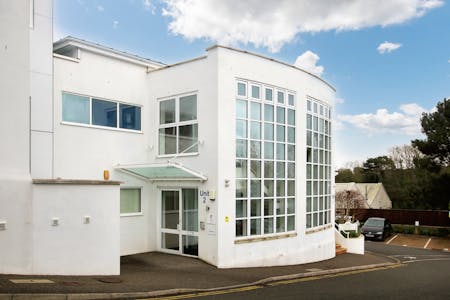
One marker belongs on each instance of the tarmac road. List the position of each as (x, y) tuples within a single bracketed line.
[(423, 274)]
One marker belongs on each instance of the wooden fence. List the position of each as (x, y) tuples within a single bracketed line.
[(404, 216)]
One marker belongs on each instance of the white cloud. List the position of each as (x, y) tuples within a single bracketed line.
[(148, 5), (273, 23), (407, 121), (308, 62), (100, 8), (388, 47), (115, 24)]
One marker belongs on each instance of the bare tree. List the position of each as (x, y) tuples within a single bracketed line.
[(404, 156), (349, 199)]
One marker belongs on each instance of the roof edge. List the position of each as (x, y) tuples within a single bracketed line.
[(271, 59)]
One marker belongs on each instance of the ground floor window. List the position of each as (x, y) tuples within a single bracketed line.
[(130, 201)]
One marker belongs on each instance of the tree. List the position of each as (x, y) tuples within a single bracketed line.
[(404, 157), (436, 127), (375, 168), (349, 199), (344, 175)]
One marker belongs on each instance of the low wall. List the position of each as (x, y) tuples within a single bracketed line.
[(76, 227), (353, 245)]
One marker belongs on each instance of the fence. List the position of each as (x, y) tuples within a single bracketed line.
[(404, 216)]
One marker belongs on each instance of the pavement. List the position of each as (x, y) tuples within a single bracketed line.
[(419, 241), (157, 274)]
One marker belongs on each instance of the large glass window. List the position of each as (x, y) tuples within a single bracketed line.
[(130, 201), (265, 161), (99, 112), (178, 129), (318, 164)]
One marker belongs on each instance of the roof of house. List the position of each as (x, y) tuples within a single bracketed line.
[(368, 190), (71, 42)]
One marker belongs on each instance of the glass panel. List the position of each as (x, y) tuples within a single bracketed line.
[(315, 121), (280, 115), (241, 148), (168, 140), (255, 169), (255, 130), (104, 113), (308, 221), (280, 188), (268, 225), (268, 169), (309, 122), (190, 245), (280, 151), (241, 188), (241, 208), (75, 108), (291, 135), (290, 223), (130, 201), (241, 109), (255, 111), (308, 172), (167, 111), (291, 170), (308, 188), (241, 129), (255, 91), (268, 207), (280, 133), (280, 224), (268, 131), (281, 171), (269, 95), (291, 152), (188, 138), (291, 188), (291, 117), (308, 155), (255, 226), (291, 99), (190, 209), (315, 223), (188, 108), (255, 149), (308, 204), (308, 138), (315, 203), (268, 112), (170, 210), (255, 188), (268, 188), (255, 207), (308, 105), (170, 241), (291, 206), (315, 108), (280, 97), (281, 209), (268, 150), (130, 117), (241, 168), (241, 227), (241, 89)]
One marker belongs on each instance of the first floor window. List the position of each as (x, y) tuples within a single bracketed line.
[(130, 201), (75, 108)]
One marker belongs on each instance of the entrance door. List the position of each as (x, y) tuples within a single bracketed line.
[(179, 221)]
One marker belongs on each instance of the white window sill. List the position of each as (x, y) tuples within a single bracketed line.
[(102, 127), (318, 229), (265, 238), (132, 214), (177, 155)]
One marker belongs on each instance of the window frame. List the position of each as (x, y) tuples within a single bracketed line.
[(90, 125), (133, 214), (177, 124)]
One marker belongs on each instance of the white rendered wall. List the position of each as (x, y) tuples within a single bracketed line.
[(74, 247), (199, 76), (302, 248), (15, 180)]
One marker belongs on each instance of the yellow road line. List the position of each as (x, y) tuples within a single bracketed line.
[(329, 275), (204, 294)]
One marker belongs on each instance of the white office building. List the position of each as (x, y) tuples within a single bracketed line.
[(226, 157)]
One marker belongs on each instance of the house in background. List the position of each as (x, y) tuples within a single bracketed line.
[(374, 195), (226, 157)]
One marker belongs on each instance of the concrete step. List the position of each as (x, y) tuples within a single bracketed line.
[(340, 249)]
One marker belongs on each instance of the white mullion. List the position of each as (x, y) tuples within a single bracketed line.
[(117, 115), (90, 111)]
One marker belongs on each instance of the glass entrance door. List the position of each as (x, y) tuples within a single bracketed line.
[(179, 221)]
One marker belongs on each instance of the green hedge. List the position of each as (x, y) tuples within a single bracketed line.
[(423, 230)]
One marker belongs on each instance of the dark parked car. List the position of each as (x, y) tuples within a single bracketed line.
[(376, 228)]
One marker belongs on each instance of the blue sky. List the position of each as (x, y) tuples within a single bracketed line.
[(389, 59)]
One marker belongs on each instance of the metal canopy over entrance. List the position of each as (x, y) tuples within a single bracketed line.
[(162, 172)]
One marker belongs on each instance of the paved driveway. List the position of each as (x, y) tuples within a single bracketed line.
[(419, 241)]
